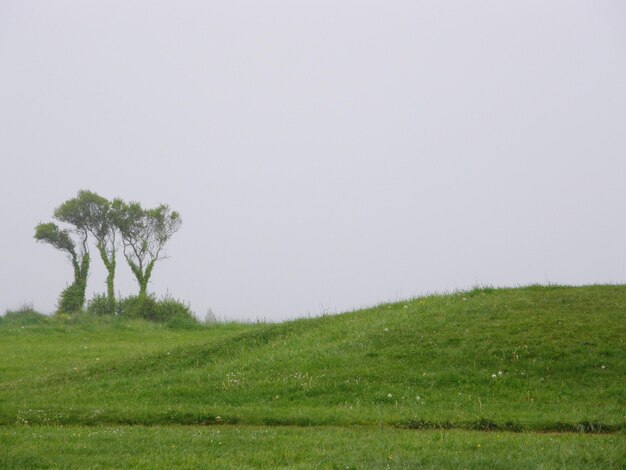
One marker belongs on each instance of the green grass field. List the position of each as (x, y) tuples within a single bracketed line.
[(528, 377)]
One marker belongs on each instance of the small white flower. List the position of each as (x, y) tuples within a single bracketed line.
[(418, 398), (387, 329), (500, 372), (389, 395), (494, 376), (603, 366)]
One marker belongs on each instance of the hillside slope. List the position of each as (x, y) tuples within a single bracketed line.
[(536, 358)]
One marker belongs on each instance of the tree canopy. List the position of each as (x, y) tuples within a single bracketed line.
[(60, 239), (144, 233)]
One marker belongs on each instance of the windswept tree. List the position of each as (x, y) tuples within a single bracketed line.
[(144, 233), (93, 214), (72, 298)]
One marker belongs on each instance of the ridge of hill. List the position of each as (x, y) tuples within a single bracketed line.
[(543, 358)]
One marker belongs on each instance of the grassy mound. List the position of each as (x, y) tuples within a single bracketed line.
[(534, 358)]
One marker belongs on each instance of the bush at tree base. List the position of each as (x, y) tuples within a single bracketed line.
[(164, 310), (72, 299), (100, 304)]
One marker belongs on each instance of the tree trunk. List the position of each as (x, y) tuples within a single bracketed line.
[(72, 299), (142, 276), (84, 273), (110, 266)]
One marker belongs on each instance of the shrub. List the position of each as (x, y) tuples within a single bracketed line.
[(72, 299), (136, 306), (174, 311), (123, 304), (164, 310), (24, 316), (100, 305)]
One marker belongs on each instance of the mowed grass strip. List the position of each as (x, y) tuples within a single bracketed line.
[(535, 358), (293, 447)]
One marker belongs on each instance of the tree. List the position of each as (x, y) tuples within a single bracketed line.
[(144, 233), (72, 298), (94, 214)]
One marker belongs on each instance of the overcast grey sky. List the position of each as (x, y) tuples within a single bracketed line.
[(324, 155)]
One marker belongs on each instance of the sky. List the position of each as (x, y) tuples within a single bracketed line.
[(324, 155)]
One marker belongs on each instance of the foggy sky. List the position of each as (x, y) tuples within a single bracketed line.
[(324, 155)]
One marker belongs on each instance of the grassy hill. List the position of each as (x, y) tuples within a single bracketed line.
[(527, 359)]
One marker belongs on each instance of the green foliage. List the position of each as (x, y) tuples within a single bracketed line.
[(26, 315), (72, 298), (93, 214), (137, 306), (99, 305), (175, 312), (60, 239), (88, 213), (77, 213), (164, 310), (144, 234), (108, 258)]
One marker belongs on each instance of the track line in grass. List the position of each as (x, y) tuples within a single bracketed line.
[(479, 426)]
